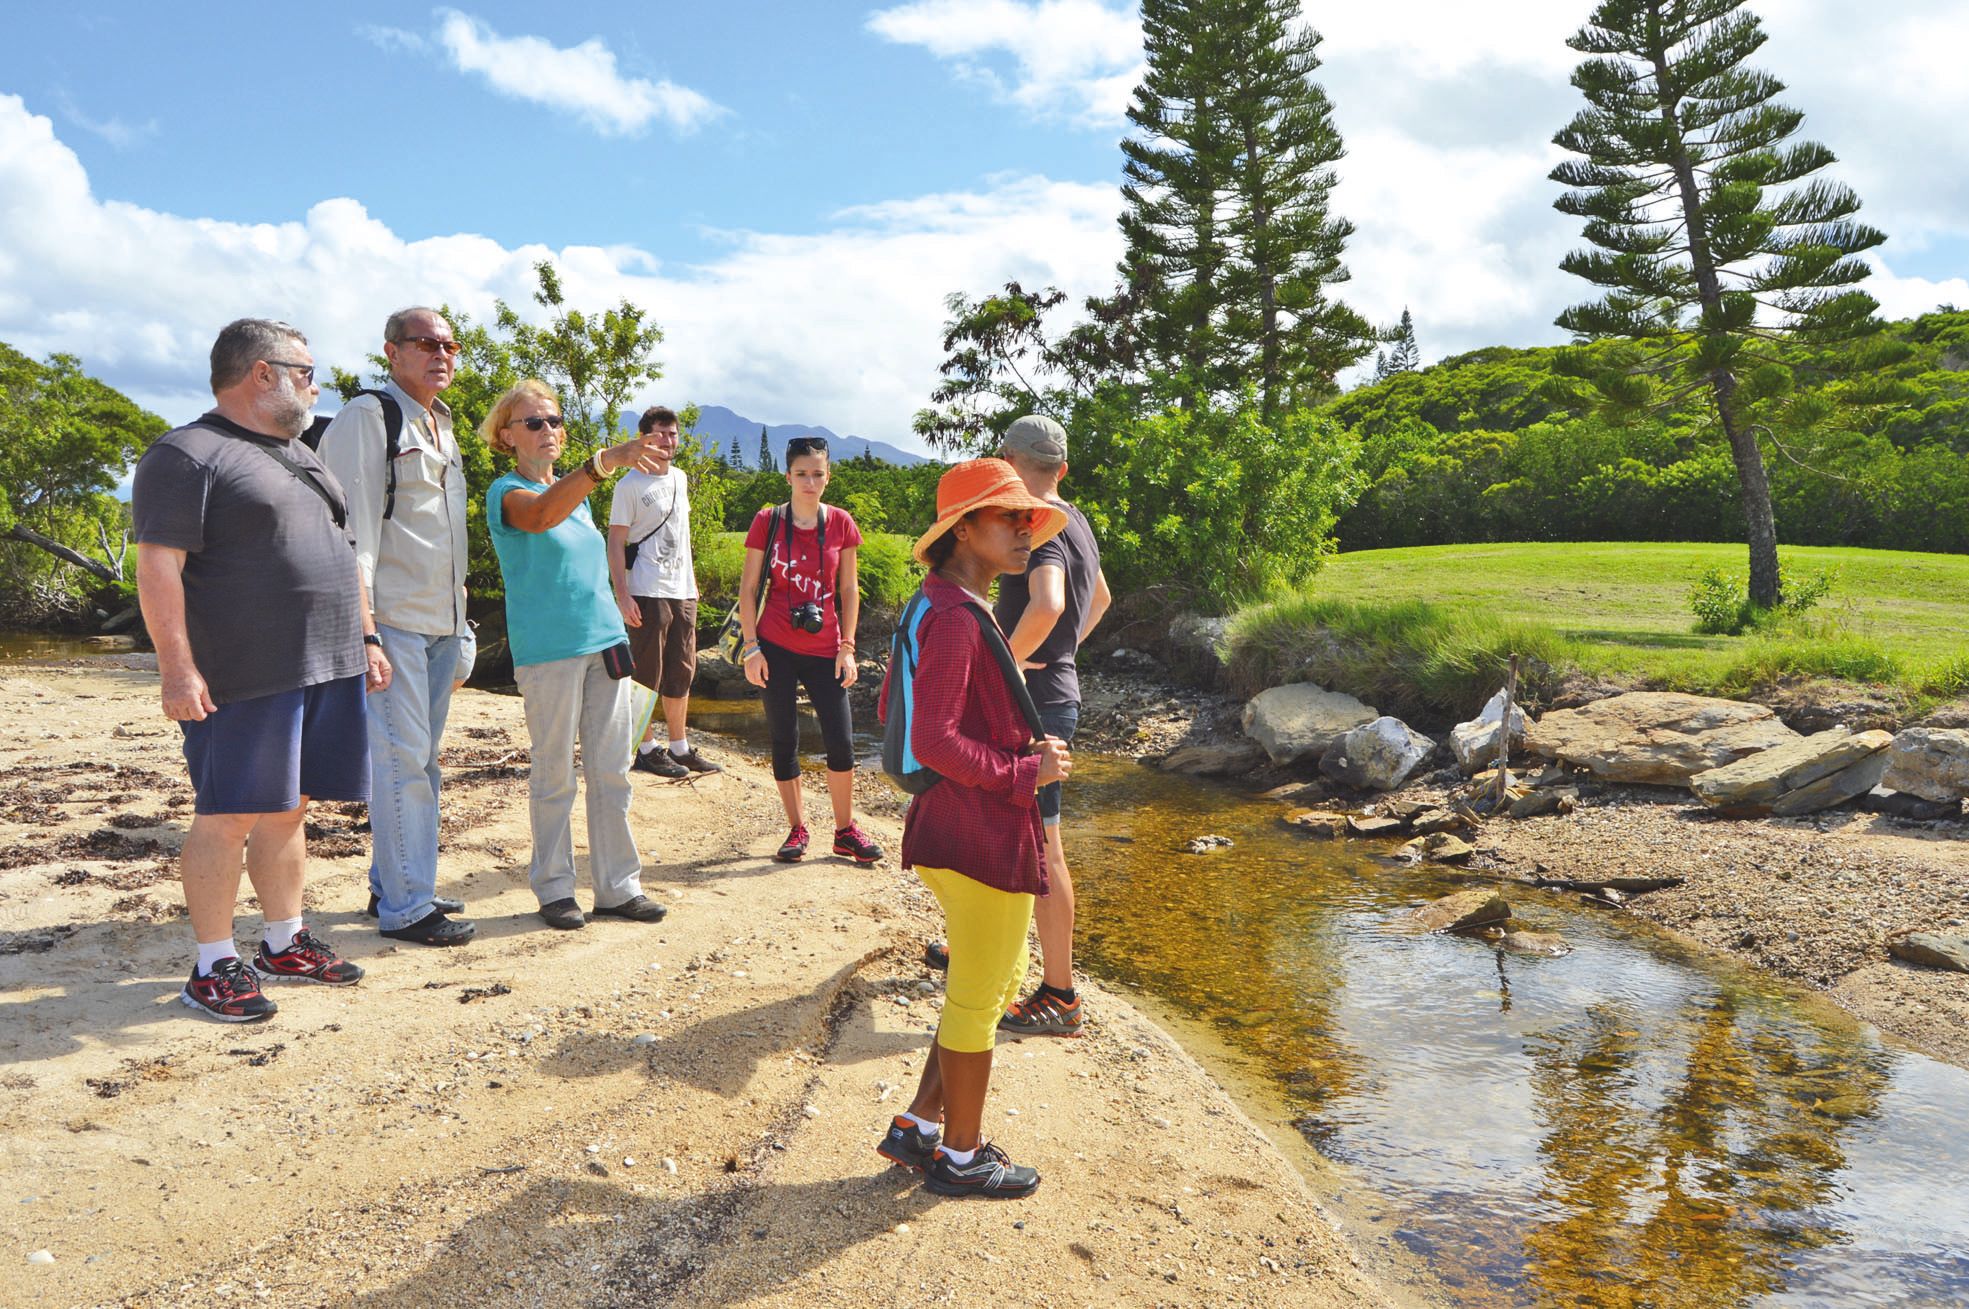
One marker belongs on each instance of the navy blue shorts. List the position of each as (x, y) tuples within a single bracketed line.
[(1058, 720), (260, 756)]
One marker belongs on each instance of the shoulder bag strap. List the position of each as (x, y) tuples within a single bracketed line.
[(766, 570), (336, 509), (1015, 680)]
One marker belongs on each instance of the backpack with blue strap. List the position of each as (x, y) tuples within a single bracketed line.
[(899, 761)]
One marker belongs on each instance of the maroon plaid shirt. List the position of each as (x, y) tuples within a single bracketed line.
[(982, 820)]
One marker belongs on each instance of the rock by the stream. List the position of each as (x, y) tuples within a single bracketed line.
[(1538, 943), (1658, 738), (1931, 762), (1799, 777), (1899, 804), (1196, 648), (1475, 743), (1318, 823), (1437, 819), (1302, 720), (1932, 950), (1462, 911), (1437, 847), (1537, 804), (1368, 825), (1214, 759), (1205, 844), (1377, 756)]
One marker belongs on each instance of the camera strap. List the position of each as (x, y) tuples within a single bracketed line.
[(820, 563)]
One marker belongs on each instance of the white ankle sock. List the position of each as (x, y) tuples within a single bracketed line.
[(646, 746), (923, 1125), (958, 1157), (680, 745), (279, 933), (210, 953)]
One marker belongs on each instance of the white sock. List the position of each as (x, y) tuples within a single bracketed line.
[(646, 746), (279, 933), (958, 1157), (210, 953), (680, 745), (923, 1125)]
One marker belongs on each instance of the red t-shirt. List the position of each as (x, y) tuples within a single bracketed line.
[(799, 574)]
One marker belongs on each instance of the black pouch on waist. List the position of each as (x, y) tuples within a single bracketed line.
[(619, 661)]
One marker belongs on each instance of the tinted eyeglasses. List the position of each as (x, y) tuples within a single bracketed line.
[(433, 344), (537, 422), (305, 370)]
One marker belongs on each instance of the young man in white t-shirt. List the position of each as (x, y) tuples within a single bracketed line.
[(657, 592)]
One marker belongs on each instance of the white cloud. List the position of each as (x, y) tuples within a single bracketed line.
[(582, 80), (838, 327), (1074, 59), (114, 130)]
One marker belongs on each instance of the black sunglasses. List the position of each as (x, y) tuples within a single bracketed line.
[(536, 422), (432, 344), (305, 370)]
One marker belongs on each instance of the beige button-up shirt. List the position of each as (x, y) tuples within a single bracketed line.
[(413, 563)]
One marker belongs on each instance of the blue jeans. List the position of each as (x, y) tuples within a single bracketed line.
[(406, 724), (1058, 720)]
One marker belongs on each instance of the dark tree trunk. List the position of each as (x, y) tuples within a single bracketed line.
[(62, 552)]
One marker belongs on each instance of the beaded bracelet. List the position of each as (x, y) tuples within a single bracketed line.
[(746, 652)]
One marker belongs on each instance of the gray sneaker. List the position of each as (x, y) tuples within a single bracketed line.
[(660, 761), (694, 761)]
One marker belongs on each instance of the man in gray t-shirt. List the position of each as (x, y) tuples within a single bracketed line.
[(247, 577)]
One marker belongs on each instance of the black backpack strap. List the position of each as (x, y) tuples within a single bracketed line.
[(1015, 680), (766, 569), (392, 446)]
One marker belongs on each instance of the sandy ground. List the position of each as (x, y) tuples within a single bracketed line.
[(481, 1125)]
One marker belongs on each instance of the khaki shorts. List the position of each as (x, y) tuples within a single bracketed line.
[(665, 646)]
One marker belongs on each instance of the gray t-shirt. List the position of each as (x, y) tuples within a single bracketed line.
[(270, 579), (1057, 681)]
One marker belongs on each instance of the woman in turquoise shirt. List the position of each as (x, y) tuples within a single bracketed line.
[(560, 617)]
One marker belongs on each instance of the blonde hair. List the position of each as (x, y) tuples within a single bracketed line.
[(502, 410)]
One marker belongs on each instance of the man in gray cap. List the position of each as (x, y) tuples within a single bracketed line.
[(1049, 610)]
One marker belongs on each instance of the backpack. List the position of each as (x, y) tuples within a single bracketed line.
[(392, 443), (898, 706)]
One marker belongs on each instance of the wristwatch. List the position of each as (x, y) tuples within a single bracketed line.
[(372, 639)]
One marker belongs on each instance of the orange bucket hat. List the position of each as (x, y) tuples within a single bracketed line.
[(987, 483)]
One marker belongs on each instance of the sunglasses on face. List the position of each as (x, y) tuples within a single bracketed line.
[(537, 422), (432, 344), (305, 370)]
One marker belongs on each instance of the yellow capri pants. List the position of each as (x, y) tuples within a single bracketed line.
[(986, 928)]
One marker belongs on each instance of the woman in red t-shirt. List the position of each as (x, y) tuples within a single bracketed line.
[(798, 636)]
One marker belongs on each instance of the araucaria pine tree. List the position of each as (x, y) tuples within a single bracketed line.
[(765, 452), (1231, 247), (1711, 241), (1406, 357)]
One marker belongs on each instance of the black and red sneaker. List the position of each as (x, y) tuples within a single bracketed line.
[(306, 959), (852, 843), (795, 845), (230, 993), (906, 1146)]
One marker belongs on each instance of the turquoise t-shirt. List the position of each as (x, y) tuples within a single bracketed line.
[(558, 598)]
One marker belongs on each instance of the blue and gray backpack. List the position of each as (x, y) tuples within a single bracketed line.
[(899, 761)]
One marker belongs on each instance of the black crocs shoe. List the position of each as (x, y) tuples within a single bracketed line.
[(444, 904)]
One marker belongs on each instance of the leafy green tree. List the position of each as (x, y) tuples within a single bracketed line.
[(999, 363), (1707, 250), (65, 440), (596, 362)]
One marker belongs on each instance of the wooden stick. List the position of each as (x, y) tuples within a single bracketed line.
[(1504, 738)]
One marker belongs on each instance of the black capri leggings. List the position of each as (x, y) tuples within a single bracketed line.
[(786, 672)]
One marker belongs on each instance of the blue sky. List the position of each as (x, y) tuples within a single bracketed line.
[(791, 190)]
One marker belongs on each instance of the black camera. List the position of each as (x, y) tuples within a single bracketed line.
[(807, 617)]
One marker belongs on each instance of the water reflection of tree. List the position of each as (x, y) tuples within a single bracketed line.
[(1690, 1184)]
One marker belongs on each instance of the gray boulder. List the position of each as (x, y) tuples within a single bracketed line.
[(1659, 738), (1931, 762), (1932, 950), (1377, 756), (1475, 743), (1461, 912), (1798, 777), (1196, 648), (1897, 804), (1302, 720)]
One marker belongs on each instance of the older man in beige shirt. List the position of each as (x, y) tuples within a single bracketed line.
[(407, 512)]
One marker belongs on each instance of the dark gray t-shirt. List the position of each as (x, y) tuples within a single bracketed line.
[(270, 580), (1074, 550)]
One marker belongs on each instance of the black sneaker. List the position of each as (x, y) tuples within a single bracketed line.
[(659, 760), (851, 842), (794, 847), (906, 1146), (989, 1175), (230, 994), (306, 959), (694, 761)]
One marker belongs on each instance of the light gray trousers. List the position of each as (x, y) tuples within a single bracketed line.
[(563, 698)]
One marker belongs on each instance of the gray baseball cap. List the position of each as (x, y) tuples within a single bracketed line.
[(1038, 438)]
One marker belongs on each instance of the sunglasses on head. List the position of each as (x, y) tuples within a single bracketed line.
[(537, 422)]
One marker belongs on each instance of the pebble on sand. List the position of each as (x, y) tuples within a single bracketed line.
[(41, 1257)]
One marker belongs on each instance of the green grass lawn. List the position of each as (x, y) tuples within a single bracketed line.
[(1621, 609)]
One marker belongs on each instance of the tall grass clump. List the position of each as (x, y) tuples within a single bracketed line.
[(1409, 658)]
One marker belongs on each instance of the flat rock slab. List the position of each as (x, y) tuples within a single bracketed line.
[(1357, 826), (1537, 804), (1656, 738), (1547, 944), (1461, 912), (1439, 847), (1436, 819), (1931, 762), (1847, 784), (1932, 950), (1317, 823), (1302, 720), (1756, 783)]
